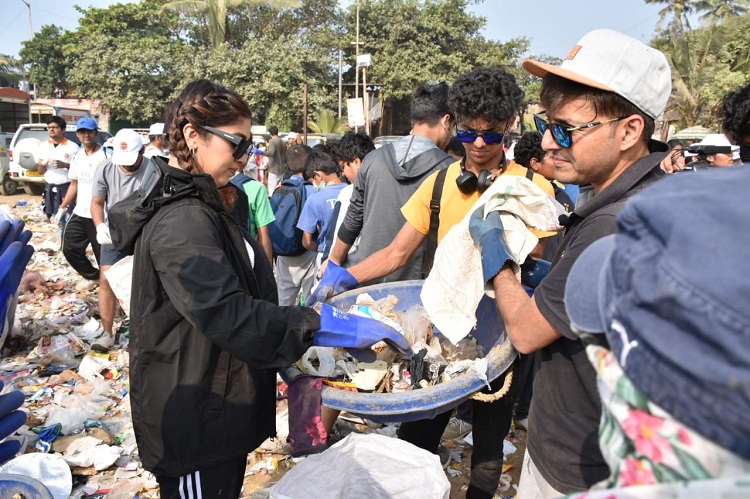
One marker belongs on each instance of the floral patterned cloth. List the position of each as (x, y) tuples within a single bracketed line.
[(646, 447)]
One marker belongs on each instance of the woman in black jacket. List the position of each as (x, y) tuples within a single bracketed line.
[(206, 333)]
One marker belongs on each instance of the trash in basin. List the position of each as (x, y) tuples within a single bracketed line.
[(424, 403)]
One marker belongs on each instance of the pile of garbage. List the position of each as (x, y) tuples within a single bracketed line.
[(436, 359), (78, 437)]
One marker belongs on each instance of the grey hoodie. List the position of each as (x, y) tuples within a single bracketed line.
[(387, 179)]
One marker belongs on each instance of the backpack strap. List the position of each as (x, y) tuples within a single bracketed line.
[(530, 174), (431, 243)]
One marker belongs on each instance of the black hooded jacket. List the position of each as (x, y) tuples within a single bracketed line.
[(207, 334)]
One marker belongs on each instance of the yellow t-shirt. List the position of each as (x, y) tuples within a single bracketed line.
[(454, 204)]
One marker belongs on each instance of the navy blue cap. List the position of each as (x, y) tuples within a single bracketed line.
[(671, 291)]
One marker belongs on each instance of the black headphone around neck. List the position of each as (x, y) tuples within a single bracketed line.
[(468, 182)]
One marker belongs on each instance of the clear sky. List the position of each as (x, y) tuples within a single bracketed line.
[(553, 26)]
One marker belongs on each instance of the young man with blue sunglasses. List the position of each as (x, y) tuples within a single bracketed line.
[(601, 103), (485, 103)]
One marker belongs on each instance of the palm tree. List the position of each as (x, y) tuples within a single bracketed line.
[(326, 122), (679, 11), (718, 10), (10, 70), (218, 10)]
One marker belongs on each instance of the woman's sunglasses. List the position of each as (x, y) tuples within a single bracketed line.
[(561, 134), (242, 145), (490, 138)]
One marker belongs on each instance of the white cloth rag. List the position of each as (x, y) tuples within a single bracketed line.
[(452, 291)]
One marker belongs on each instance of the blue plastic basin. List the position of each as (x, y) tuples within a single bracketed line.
[(12, 485), (424, 403)]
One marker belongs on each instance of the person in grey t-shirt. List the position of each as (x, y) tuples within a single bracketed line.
[(113, 182)]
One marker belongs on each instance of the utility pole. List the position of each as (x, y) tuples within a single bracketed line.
[(341, 63), (23, 66)]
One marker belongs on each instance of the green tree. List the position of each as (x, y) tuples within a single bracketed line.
[(127, 56), (415, 41), (10, 70), (218, 12), (677, 11), (326, 122), (48, 66), (716, 11)]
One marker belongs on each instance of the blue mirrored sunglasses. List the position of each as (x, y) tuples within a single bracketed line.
[(490, 138), (561, 134), (242, 146)]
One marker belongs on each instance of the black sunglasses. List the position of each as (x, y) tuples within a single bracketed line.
[(242, 145), (561, 134), (490, 138)]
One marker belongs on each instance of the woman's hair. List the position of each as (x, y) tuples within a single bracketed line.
[(556, 90), (201, 103), (672, 143), (735, 114), (528, 147)]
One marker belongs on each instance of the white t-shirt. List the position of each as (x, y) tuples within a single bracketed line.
[(152, 151), (64, 152), (82, 169)]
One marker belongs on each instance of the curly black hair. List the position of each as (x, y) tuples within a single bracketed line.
[(528, 147), (352, 145), (489, 93), (735, 113)]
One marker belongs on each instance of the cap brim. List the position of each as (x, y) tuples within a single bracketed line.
[(585, 287), (542, 69), (124, 158)]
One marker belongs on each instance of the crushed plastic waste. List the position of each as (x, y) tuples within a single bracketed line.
[(436, 359)]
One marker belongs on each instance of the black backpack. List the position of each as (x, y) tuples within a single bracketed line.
[(287, 202)]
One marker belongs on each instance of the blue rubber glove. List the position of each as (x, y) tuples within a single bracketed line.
[(258, 152), (533, 271), (342, 330), (335, 280), (10, 420), (488, 236), (12, 264), (9, 232)]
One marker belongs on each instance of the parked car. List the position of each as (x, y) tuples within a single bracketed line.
[(23, 151), (314, 139), (8, 186)]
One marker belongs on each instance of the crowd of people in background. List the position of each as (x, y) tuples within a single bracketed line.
[(282, 226)]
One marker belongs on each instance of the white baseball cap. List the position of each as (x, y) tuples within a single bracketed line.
[(126, 146), (291, 135), (156, 129), (608, 60)]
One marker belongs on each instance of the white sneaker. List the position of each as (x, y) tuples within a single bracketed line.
[(457, 428), (103, 343)]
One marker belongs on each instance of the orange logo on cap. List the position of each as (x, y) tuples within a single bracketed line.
[(573, 53), (123, 146)]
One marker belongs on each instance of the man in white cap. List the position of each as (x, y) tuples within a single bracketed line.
[(601, 103), (113, 182), (155, 145)]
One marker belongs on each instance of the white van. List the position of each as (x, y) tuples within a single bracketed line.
[(23, 151)]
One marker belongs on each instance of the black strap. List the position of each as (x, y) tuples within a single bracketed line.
[(530, 174), (431, 243)]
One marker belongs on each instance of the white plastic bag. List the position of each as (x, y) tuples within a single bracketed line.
[(120, 277), (366, 465)]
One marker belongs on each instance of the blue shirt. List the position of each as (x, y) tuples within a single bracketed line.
[(316, 214)]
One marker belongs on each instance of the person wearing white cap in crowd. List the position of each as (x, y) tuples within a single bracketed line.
[(601, 103), (80, 231), (729, 154), (114, 181), (155, 145)]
